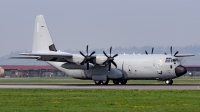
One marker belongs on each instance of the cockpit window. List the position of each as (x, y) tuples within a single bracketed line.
[(169, 60), (175, 60)]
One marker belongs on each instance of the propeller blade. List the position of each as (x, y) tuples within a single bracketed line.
[(87, 65), (152, 50), (171, 50), (115, 55), (109, 67), (123, 69), (146, 52), (110, 50), (114, 63), (87, 50), (105, 62), (82, 63), (105, 54), (92, 53), (91, 61), (176, 53), (82, 54), (122, 66)]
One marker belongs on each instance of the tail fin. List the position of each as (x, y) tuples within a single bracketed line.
[(42, 41)]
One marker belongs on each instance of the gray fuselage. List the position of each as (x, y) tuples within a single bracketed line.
[(149, 67)]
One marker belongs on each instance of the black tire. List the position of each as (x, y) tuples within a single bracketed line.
[(116, 82), (98, 82), (169, 82), (123, 82), (105, 82)]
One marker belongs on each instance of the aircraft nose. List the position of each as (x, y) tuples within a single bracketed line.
[(180, 70)]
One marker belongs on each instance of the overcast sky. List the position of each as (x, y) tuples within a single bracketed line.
[(100, 23)]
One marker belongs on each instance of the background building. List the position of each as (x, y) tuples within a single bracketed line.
[(31, 71)]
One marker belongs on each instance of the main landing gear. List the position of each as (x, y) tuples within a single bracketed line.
[(101, 82), (115, 82), (169, 82)]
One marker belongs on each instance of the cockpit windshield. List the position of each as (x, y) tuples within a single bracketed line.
[(169, 60)]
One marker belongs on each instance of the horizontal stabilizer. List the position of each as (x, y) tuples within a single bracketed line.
[(58, 55)]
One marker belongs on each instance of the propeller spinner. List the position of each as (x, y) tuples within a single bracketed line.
[(110, 59), (88, 58)]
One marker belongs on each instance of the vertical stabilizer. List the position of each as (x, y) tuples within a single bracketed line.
[(42, 41)]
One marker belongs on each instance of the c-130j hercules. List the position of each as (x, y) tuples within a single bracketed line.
[(103, 67)]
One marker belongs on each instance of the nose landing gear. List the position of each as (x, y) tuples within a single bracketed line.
[(169, 82)]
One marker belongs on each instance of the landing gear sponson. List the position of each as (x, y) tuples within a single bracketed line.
[(124, 81)]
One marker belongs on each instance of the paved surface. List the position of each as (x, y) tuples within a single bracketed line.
[(92, 86)]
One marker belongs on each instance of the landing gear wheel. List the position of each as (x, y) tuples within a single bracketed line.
[(105, 82), (116, 82), (98, 82), (169, 82), (123, 82)]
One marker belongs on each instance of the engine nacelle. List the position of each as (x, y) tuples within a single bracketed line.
[(76, 59), (75, 66), (100, 59)]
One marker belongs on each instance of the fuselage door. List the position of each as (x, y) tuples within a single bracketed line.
[(129, 69)]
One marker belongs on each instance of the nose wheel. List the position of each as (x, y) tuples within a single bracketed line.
[(169, 82)]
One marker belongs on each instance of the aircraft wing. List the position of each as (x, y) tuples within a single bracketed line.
[(184, 55)]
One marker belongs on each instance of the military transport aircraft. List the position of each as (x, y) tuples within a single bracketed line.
[(103, 67)]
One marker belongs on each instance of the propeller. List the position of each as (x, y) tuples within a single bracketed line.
[(87, 58), (171, 52), (183, 55), (110, 59), (151, 51)]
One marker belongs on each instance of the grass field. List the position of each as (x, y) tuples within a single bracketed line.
[(49, 100), (77, 81)]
